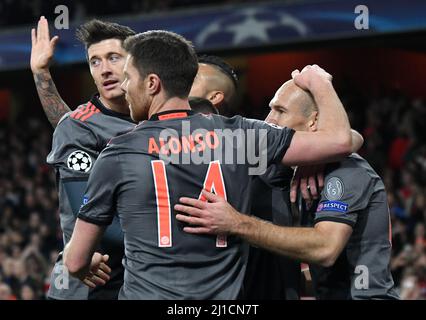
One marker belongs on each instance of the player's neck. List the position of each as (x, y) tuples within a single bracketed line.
[(119, 105), (171, 104)]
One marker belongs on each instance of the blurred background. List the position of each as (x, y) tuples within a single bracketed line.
[(379, 70)]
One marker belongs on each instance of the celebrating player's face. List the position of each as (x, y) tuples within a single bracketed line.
[(287, 108), (133, 88), (106, 61)]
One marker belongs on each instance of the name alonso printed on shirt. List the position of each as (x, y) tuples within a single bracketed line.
[(202, 146), (214, 310)]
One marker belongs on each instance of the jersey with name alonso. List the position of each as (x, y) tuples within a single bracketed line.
[(142, 174), (355, 195), (77, 142)]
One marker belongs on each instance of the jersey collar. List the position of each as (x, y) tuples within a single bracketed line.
[(172, 114), (98, 104)]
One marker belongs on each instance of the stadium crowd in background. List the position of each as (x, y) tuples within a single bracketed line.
[(395, 144), (30, 237)]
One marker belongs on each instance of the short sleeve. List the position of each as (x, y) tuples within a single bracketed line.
[(74, 149), (271, 141), (347, 191), (99, 198)]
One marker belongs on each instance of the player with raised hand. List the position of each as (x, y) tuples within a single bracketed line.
[(42, 51), (79, 137)]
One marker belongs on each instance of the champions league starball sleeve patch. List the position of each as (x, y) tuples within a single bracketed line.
[(79, 161)]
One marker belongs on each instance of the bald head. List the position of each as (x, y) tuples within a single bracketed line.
[(298, 98), (214, 85), (293, 107)]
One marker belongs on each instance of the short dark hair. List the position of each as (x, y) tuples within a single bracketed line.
[(221, 65), (308, 104), (95, 31), (201, 105), (168, 55)]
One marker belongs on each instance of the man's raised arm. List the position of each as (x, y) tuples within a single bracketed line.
[(42, 50), (333, 139)]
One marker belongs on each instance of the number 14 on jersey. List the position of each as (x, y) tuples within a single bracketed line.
[(213, 182)]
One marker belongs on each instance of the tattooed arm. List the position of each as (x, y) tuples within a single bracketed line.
[(42, 50), (53, 105)]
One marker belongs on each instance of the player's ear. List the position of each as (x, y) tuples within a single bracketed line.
[(152, 84), (313, 121), (216, 97)]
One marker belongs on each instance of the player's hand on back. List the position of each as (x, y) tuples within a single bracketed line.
[(99, 271), (216, 216), (42, 48), (310, 76)]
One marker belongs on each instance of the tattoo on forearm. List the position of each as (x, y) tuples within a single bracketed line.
[(53, 105)]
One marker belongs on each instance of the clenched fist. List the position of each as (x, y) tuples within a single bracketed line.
[(310, 76)]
